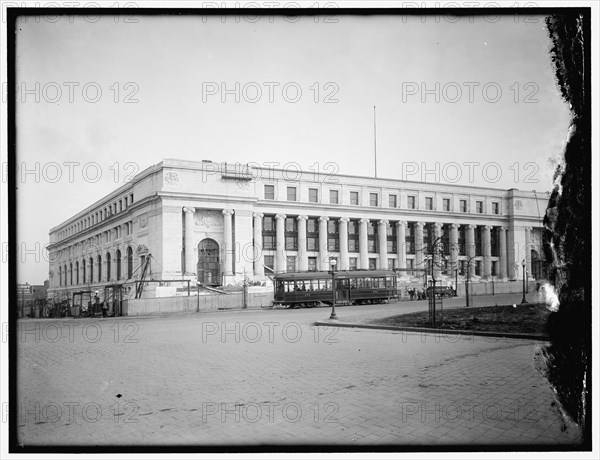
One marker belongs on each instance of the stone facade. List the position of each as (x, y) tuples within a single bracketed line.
[(217, 223)]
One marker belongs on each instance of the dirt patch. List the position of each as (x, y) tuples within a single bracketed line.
[(524, 318)]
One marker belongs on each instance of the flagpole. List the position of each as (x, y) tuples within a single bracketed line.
[(375, 137)]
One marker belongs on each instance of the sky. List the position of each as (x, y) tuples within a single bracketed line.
[(470, 100)]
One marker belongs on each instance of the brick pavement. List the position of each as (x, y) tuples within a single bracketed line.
[(178, 381)]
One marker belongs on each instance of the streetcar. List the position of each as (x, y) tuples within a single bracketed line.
[(355, 287)]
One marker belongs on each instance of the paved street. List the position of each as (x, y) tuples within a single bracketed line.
[(253, 377)]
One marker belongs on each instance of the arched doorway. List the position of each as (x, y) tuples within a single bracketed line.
[(209, 272)]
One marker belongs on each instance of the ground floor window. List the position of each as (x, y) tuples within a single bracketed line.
[(372, 264), (352, 263), (391, 264), (494, 268), (478, 267), (291, 264), (312, 264), (270, 262)]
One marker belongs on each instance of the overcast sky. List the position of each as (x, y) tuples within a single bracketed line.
[(490, 97)]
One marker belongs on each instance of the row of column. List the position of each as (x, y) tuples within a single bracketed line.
[(344, 260)]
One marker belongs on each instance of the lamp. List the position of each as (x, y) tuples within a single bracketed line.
[(332, 265), (523, 263)]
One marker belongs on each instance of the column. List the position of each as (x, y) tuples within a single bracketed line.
[(454, 246), (528, 251), (470, 237), (280, 264), (343, 231), (401, 244), (382, 235), (363, 247), (419, 245), (259, 261), (228, 243), (302, 250), (502, 268), (190, 254), (323, 252), (438, 250), (487, 252)]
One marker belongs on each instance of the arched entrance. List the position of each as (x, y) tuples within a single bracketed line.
[(209, 272)]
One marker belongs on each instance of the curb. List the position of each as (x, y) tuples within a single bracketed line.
[(427, 330)]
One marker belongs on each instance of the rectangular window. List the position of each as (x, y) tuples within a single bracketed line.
[(270, 262), (269, 192), (290, 264), (429, 203), (352, 262), (291, 193), (410, 263), (410, 238), (333, 197), (372, 238), (372, 264), (313, 195), (373, 199), (494, 268), (478, 268), (446, 204), (268, 242), (463, 205), (393, 201), (391, 264), (411, 202), (312, 264), (496, 208), (354, 198), (479, 207), (353, 236), (333, 236)]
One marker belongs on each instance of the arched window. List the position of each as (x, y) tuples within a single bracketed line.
[(66, 274), (108, 266), (118, 255), (60, 276), (91, 270), (129, 262), (99, 269), (83, 267), (71, 273), (77, 272)]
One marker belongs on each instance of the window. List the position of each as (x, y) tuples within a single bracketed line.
[(270, 262), (99, 269), (268, 233), (131, 199), (333, 236), (269, 192), (372, 264), (446, 204), (291, 234), (411, 202), (352, 263), (463, 205), (410, 263), (354, 198), (478, 267), (313, 195), (353, 236), (462, 241), (496, 208), (479, 207), (333, 197), (393, 201), (312, 234), (129, 262), (312, 264), (391, 239), (478, 241), (495, 241), (291, 193), (494, 268), (373, 199), (391, 264), (372, 237), (410, 238), (429, 203), (290, 264)]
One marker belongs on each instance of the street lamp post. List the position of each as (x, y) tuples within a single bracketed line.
[(524, 276), (332, 264)]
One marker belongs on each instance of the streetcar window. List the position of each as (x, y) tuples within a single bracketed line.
[(353, 283), (375, 283), (279, 286), (328, 285), (368, 282)]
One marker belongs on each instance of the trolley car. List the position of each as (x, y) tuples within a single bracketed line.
[(352, 287)]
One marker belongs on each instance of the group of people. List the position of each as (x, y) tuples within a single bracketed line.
[(416, 294)]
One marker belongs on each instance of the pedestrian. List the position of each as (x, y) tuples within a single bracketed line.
[(104, 310)]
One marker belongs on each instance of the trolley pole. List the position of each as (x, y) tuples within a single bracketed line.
[(332, 264)]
